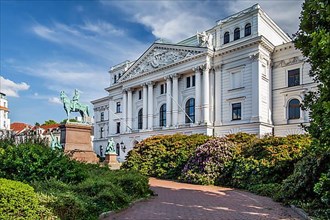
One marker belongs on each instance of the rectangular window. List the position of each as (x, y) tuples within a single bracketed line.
[(236, 80), (188, 81), (101, 132), (163, 88), (293, 77), (118, 107), (118, 128), (102, 116), (193, 80), (236, 111), (140, 94)]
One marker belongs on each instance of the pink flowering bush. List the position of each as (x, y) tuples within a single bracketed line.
[(208, 161)]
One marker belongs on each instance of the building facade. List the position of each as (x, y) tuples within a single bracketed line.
[(4, 117), (242, 75)]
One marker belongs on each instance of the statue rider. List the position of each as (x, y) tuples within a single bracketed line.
[(75, 99)]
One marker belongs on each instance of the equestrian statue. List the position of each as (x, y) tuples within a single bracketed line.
[(74, 105)]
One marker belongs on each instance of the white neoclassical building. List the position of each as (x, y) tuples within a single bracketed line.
[(4, 118), (242, 75)]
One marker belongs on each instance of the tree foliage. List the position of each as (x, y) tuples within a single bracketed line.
[(313, 39), (49, 122)]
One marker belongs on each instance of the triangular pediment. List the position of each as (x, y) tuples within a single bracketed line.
[(159, 56)]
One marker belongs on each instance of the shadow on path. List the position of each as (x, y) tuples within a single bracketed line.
[(186, 201)]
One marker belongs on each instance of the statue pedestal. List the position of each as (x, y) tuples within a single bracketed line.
[(111, 160), (76, 141)]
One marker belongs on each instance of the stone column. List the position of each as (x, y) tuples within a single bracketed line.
[(124, 113), (150, 105), (145, 107), (129, 109), (206, 89), (255, 88), (168, 101), (218, 95), (198, 99), (175, 107)]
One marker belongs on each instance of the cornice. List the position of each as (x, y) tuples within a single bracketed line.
[(244, 44)]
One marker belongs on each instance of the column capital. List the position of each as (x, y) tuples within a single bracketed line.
[(167, 77), (196, 69), (150, 83), (143, 84), (175, 75), (254, 56)]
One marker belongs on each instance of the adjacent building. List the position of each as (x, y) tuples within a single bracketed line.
[(4, 118), (242, 75)]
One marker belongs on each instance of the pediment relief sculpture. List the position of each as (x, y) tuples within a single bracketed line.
[(159, 58)]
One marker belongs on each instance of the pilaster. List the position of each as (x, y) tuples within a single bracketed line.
[(150, 105), (145, 107), (129, 108), (198, 99), (175, 107), (168, 101)]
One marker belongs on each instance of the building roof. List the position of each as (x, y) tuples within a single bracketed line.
[(19, 127)]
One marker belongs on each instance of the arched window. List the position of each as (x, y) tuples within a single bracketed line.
[(247, 30), (140, 119), (190, 111), (226, 38), (162, 116), (237, 34), (118, 149), (294, 109)]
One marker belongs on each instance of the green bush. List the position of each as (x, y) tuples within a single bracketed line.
[(269, 189), (262, 161), (30, 161), (17, 200), (208, 161), (163, 156)]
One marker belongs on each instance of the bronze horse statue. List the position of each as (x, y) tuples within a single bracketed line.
[(70, 106)]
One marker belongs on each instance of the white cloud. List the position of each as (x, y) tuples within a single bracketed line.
[(55, 100), (177, 20), (11, 88), (99, 39)]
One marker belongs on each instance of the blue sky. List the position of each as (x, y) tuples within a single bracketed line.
[(49, 46)]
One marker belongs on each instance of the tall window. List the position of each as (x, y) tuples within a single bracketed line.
[(115, 78), (118, 107), (237, 34), (118, 149), (188, 81), (294, 109), (102, 116), (247, 30), (140, 118), (236, 111), (193, 80), (293, 77), (163, 88), (226, 38), (190, 111), (162, 116), (118, 128), (101, 132), (140, 94)]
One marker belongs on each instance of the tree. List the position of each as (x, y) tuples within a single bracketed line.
[(313, 39), (37, 124), (49, 122)]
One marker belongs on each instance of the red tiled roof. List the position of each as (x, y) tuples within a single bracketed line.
[(18, 127)]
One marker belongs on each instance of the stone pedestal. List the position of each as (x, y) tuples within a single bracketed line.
[(76, 141), (111, 160)]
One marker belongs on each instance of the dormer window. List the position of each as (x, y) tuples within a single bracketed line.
[(237, 34), (247, 30), (226, 38)]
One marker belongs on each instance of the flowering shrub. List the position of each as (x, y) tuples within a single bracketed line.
[(163, 156), (208, 161)]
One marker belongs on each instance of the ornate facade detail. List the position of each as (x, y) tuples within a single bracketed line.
[(287, 62), (159, 58), (205, 40)]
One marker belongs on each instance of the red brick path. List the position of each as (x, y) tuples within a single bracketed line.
[(186, 201)]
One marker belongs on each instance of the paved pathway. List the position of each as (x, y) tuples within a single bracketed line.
[(186, 201)]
